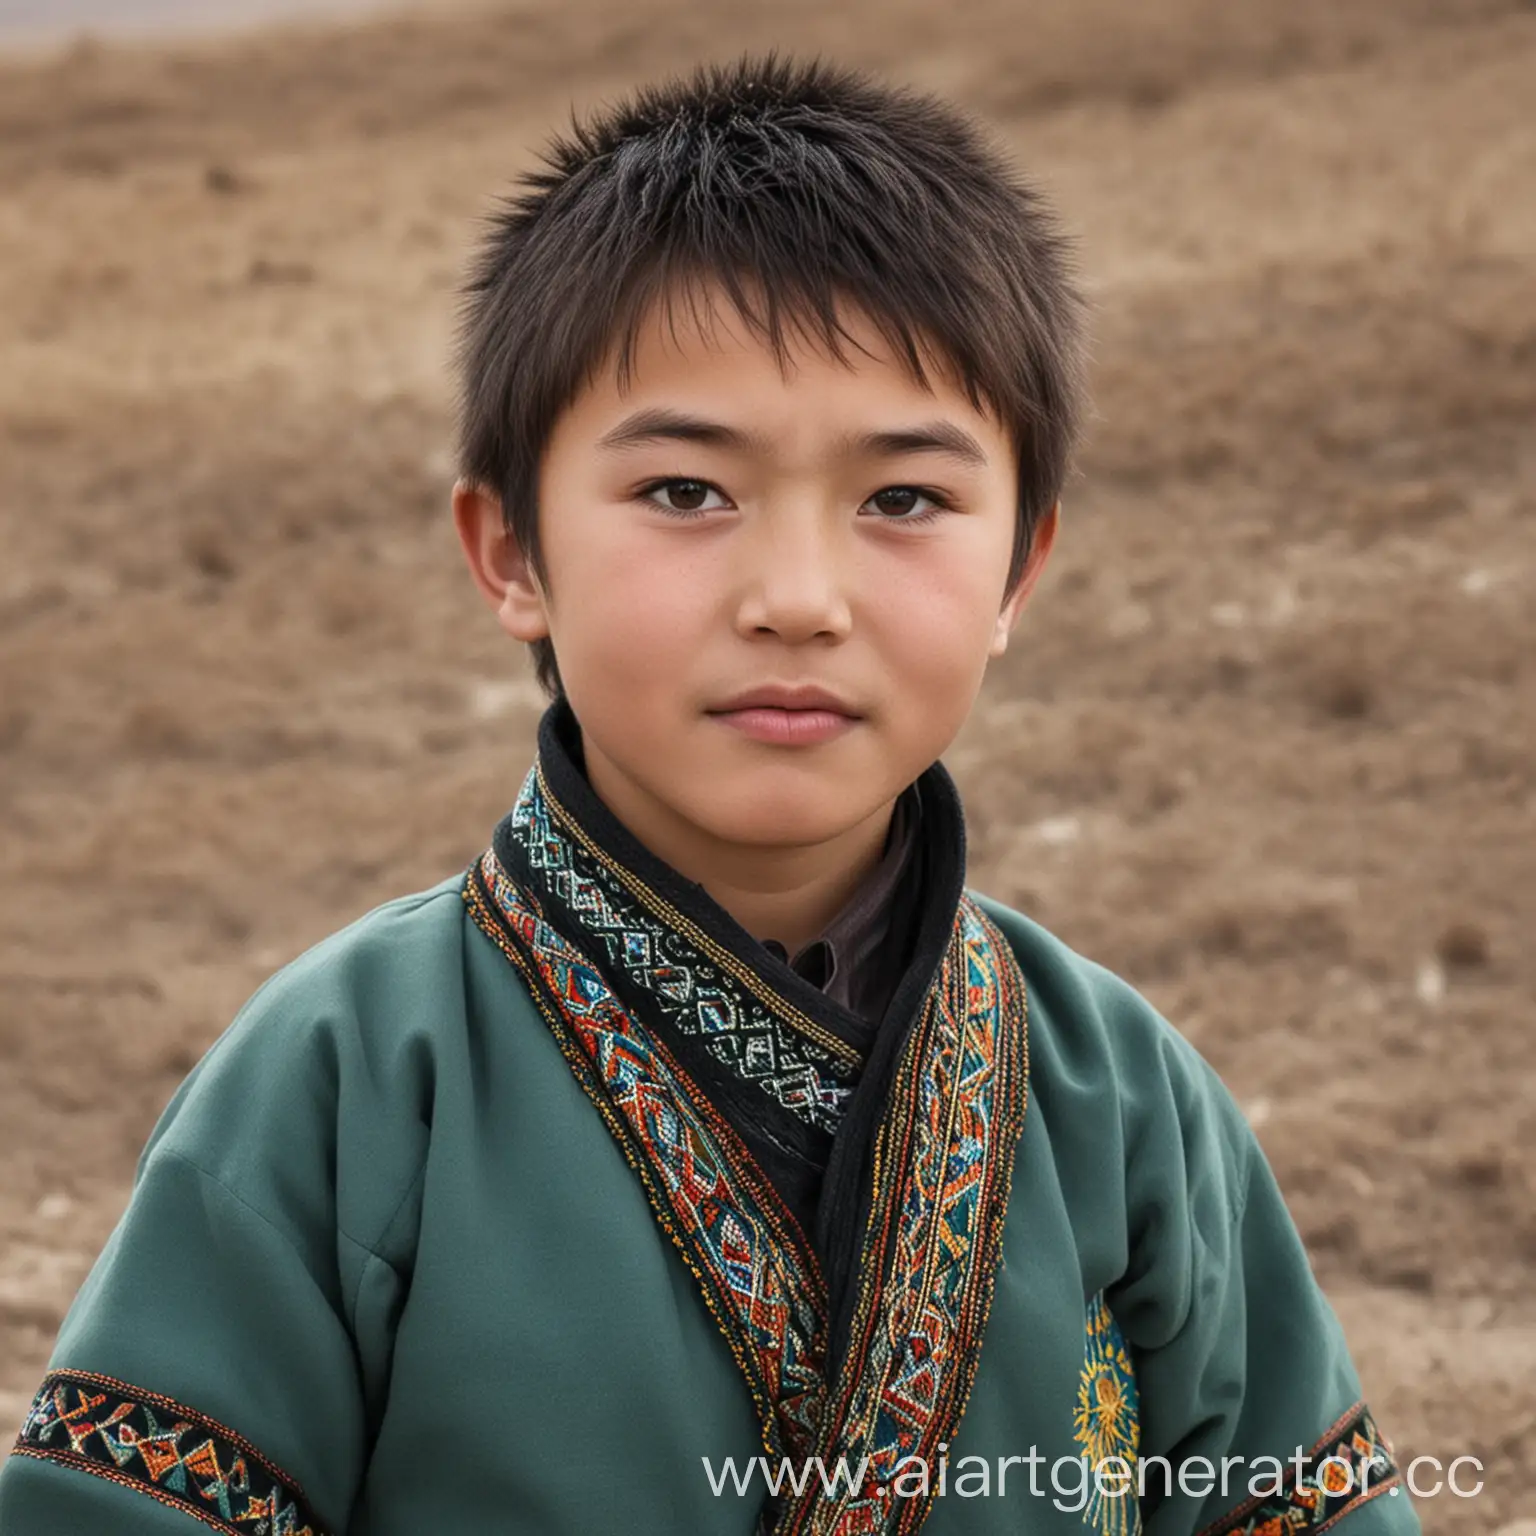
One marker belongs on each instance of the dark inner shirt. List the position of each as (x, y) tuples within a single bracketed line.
[(859, 958)]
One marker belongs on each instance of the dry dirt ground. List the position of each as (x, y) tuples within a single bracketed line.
[(1265, 745)]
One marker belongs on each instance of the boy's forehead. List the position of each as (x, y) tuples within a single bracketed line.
[(689, 322)]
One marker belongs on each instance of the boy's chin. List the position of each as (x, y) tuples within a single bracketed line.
[(756, 815)]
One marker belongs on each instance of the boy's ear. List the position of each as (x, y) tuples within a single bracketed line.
[(1039, 552), (500, 569)]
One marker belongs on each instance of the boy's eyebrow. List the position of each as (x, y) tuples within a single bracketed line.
[(930, 437), (658, 424)]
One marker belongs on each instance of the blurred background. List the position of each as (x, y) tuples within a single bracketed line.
[(1266, 743)]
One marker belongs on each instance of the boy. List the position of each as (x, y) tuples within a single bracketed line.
[(709, 1117)]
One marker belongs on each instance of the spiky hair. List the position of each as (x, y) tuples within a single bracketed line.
[(797, 189)]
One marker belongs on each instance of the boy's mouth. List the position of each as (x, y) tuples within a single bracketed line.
[(787, 714)]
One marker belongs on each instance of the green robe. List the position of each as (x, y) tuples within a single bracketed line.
[(385, 1271)]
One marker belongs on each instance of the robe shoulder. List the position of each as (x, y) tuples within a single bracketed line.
[(1101, 1053), (320, 1091)]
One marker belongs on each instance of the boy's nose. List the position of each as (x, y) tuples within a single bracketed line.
[(793, 581)]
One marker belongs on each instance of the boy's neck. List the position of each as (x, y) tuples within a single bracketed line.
[(790, 894)]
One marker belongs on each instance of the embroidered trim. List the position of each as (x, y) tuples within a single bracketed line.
[(943, 1162), (135, 1438), (744, 976), (1351, 1464), (688, 987), (1107, 1420), (943, 1167)]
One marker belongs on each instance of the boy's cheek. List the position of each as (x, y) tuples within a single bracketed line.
[(633, 652), (933, 640)]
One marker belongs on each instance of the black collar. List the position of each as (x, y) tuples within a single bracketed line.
[(939, 865)]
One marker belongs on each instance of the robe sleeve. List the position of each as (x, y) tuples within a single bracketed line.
[(229, 1351), (1253, 1418)]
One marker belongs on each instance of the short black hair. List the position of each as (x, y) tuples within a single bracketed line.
[(797, 187)]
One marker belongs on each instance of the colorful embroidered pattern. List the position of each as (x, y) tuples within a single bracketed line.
[(691, 992), (158, 1447), (942, 1168), (1351, 1464), (1107, 1423)]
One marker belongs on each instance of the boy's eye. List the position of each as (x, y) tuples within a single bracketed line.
[(906, 504), (684, 496)]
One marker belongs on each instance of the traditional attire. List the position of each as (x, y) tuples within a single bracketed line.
[(552, 1201)]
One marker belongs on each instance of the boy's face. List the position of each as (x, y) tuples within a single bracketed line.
[(721, 526)]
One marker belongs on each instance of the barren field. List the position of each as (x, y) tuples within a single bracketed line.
[(1267, 741)]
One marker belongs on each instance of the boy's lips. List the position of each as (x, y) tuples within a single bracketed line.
[(791, 696), (787, 714)]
